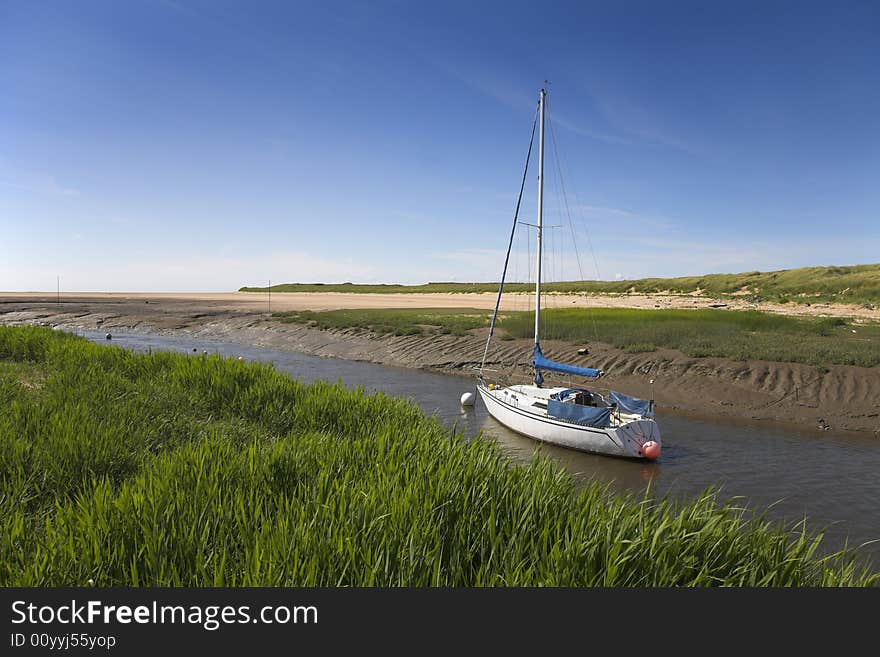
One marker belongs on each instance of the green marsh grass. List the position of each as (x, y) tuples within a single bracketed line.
[(741, 335), (171, 469), (850, 284)]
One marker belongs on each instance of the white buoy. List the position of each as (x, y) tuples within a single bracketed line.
[(241, 358), (468, 399)]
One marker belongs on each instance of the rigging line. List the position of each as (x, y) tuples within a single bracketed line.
[(529, 271), (557, 246), (586, 229), (510, 242), (558, 162)]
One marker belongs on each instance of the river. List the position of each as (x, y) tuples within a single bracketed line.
[(830, 478)]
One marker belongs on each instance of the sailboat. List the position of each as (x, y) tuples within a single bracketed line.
[(580, 418)]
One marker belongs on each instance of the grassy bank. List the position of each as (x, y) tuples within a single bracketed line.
[(852, 284), (169, 469), (739, 335)]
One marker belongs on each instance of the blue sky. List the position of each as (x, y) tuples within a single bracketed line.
[(165, 146)]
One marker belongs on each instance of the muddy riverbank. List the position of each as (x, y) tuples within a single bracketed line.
[(836, 398)]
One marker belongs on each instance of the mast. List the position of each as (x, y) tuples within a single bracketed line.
[(540, 217)]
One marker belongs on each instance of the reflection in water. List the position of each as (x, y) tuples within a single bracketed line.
[(830, 478), (621, 474)]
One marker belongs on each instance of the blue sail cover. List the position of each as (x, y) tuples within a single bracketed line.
[(588, 416), (542, 363), (630, 404)]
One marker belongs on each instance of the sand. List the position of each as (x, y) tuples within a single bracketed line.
[(282, 301), (843, 398)]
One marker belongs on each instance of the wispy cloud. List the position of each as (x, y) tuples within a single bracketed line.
[(633, 123), (643, 254), (603, 211), (667, 254), (502, 92), (471, 265), (638, 122), (656, 221), (486, 84), (577, 129), (43, 184), (177, 272)]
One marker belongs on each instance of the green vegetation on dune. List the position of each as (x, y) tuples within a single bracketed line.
[(356, 288), (851, 284), (741, 335), (170, 469)]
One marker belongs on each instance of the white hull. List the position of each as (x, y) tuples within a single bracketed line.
[(513, 407)]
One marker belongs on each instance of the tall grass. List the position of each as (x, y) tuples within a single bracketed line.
[(168, 469), (851, 284)]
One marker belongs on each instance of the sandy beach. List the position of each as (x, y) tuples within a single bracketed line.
[(841, 398)]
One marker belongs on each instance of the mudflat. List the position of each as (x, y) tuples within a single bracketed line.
[(838, 397)]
